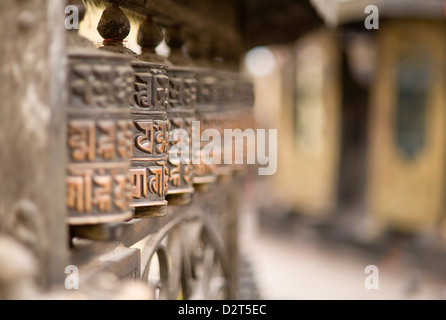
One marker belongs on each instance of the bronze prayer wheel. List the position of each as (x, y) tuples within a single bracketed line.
[(225, 115), (149, 172), (180, 110), (204, 174), (243, 117), (99, 137), (181, 113), (149, 167)]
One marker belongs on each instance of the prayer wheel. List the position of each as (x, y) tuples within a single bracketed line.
[(149, 170), (99, 135)]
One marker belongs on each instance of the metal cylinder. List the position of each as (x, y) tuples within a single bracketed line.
[(149, 168), (226, 114), (148, 172), (99, 137), (204, 173), (181, 113)]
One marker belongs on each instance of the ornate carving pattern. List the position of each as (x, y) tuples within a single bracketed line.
[(151, 88), (151, 137), (100, 86)]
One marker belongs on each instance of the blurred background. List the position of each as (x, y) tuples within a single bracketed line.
[(359, 104)]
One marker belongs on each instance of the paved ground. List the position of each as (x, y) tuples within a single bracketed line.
[(299, 265)]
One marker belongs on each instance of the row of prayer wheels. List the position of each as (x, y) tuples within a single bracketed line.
[(123, 109)]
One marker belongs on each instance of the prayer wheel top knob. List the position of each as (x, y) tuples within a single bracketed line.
[(150, 36), (114, 25)]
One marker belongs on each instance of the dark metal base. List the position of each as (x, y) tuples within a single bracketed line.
[(179, 199), (204, 187), (151, 211), (104, 231)]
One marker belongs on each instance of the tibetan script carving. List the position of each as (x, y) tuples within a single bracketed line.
[(107, 190), (90, 140), (101, 85), (99, 138), (149, 171), (152, 136), (151, 88)]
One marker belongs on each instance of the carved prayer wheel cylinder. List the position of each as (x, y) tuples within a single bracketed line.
[(149, 171), (243, 118), (149, 164), (99, 142), (204, 173), (181, 113), (189, 84), (235, 99), (226, 115)]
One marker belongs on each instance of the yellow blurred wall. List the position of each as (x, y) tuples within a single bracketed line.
[(307, 118), (407, 194)]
